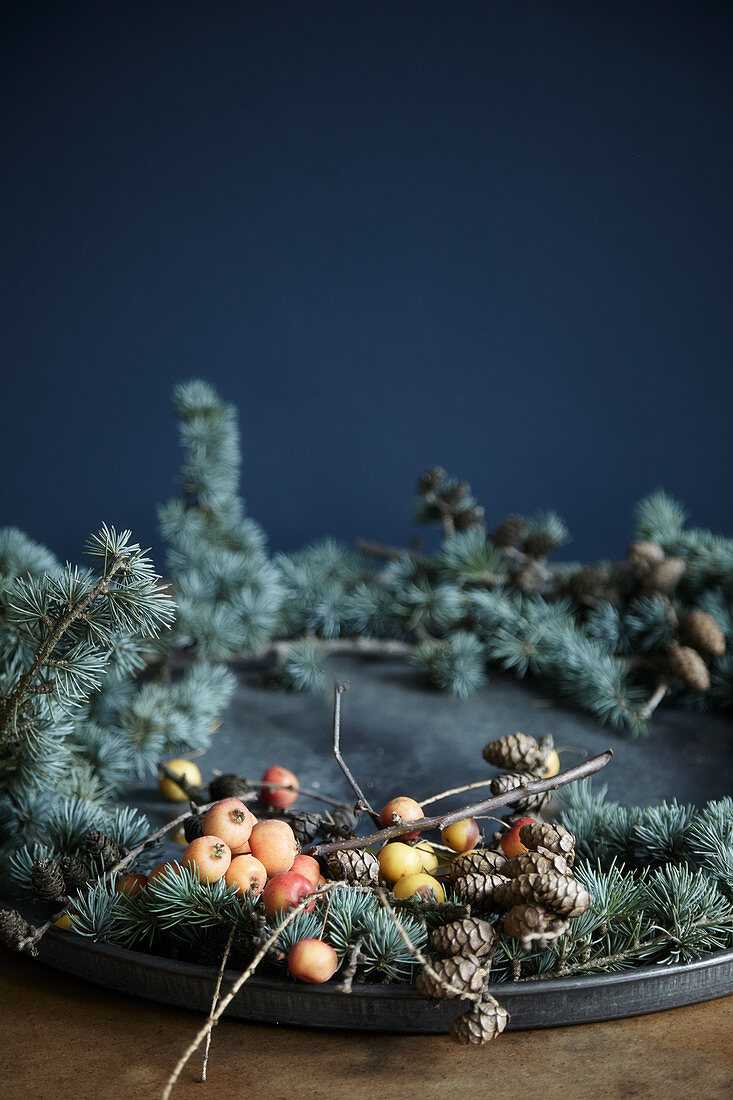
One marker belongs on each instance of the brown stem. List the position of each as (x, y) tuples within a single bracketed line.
[(391, 553), (580, 771), (456, 790), (220, 975), (256, 785), (370, 647), (350, 968), (363, 801), (655, 699)]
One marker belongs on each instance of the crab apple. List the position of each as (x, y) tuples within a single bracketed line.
[(406, 808), (231, 821), (277, 799), (273, 843), (246, 873), (162, 868), (312, 961), (396, 860), (419, 885), (285, 890), (210, 856), (189, 772), (308, 867), (428, 856), (511, 845), (64, 922), (461, 835), (552, 765), (131, 884)]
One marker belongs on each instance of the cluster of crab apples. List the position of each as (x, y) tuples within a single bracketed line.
[(262, 857)]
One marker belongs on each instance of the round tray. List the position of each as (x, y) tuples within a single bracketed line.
[(396, 1008)]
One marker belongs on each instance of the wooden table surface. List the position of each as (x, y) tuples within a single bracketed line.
[(62, 1037)]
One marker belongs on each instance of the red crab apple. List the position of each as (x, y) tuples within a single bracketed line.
[(277, 799), (131, 884), (406, 808), (231, 821), (285, 890), (246, 873), (273, 843), (308, 867), (511, 845), (461, 836), (210, 855), (161, 869), (312, 961)]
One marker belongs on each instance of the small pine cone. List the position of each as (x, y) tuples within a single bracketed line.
[(482, 1024), (687, 665), (509, 781), (193, 826), (228, 786), (538, 862), (533, 926), (665, 575), (481, 861), (703, 633), (99, 846), (456, 492), (644, 554), (514, 891), (591, 580), (530, 578), (342, 826), (517, 751), (469, 936), (469, 518), (431, 479), (354, 866), (510, 532), (76, 874), (305, 826), (554, 837), (467, 974), (538, 544), (13, 928), (479, 889), (47, 880), (562, 893)]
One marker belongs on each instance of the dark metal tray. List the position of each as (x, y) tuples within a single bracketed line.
[(395, 1008)]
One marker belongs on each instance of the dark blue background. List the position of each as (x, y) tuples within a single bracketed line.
[(492, 235)]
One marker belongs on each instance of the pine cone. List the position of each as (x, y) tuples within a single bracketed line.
[(533, 926), (538, 544), (703, 633), (193, 826), (455, 493), (509, 781), (467, 974), (76, 874), (482, 1024), (539, 862), (561, 893), (687, 665), (555, 837), (343, 825), (480, 861), (591, 580), (479, 889), (665, 575), (431, 479), (228, 786), (644, 554), (469, 518), (517, 751), (13, 929), (355, 866), (47, 880), (510, 532), (469, 936), (101, 847), (529, 579), (305, 826), (513, 891)]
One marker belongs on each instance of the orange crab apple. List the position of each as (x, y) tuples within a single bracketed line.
[(275, 798), (273, 843), (246, 873), (231, 821), (312, 961), (406, 808), (510, 843), (285, 890), (161, 869), (131, 884), (308, 867), (210, 856), (461, 836)]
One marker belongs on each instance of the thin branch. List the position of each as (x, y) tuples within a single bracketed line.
[(220, 975), (370, 647), (456, 790), (508, 798), (391, 553), (655, 699), (350, 969), (363, 801)]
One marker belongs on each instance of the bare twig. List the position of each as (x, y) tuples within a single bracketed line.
[(363, 801), (655, 699), (350, 969), (220, 975), (580, 771), (369, 647), (456, 790)]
